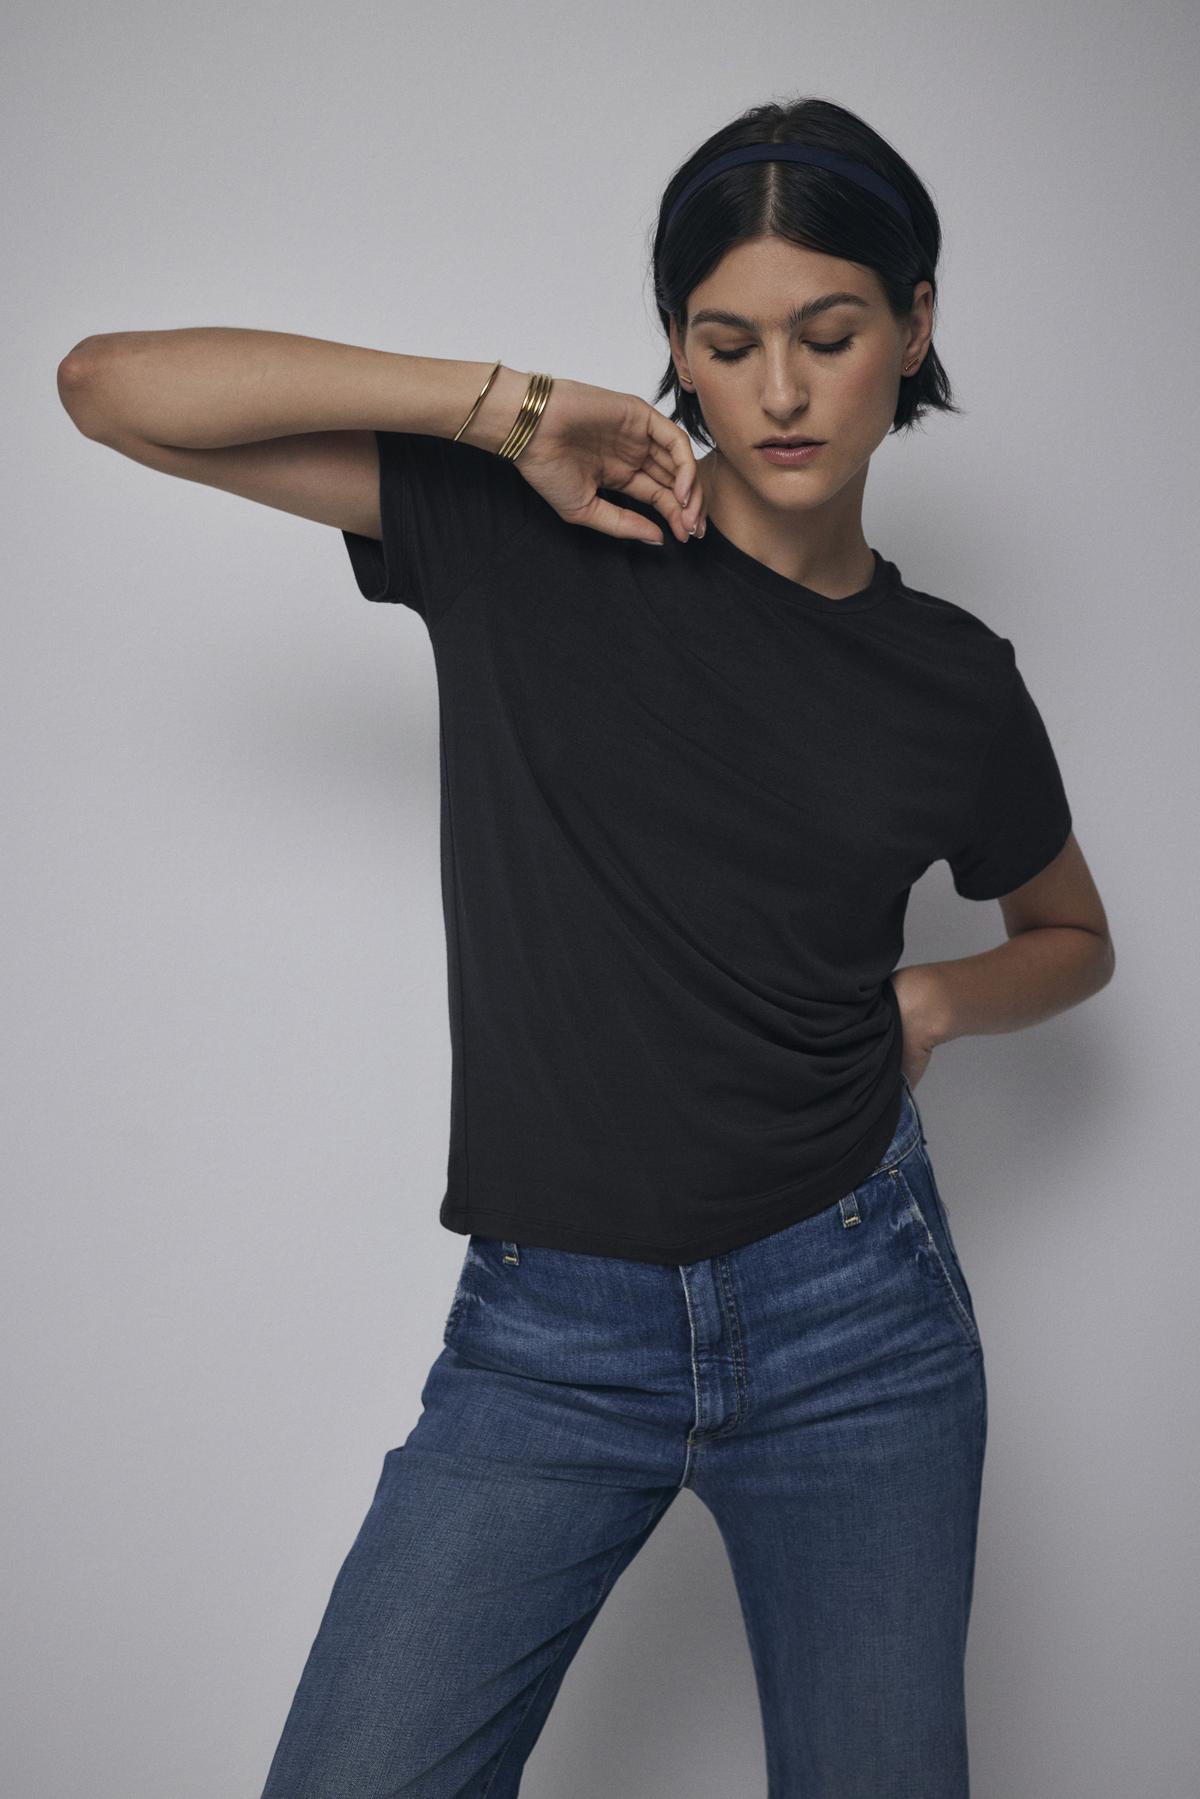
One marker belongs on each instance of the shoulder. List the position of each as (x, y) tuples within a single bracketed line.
[(950, 618), (953, 632)]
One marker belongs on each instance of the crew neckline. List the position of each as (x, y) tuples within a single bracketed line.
[(722, 549)]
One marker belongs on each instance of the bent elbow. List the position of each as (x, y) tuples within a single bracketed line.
[(77, 377)]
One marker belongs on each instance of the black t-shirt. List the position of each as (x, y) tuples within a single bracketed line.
[(684, 799)]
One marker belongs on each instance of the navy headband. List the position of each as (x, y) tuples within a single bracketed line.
[(824, 159)]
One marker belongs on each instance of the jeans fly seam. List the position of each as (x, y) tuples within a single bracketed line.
[(737, 1354), (696, 1389)]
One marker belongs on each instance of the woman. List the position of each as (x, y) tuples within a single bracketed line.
[(684, 801)]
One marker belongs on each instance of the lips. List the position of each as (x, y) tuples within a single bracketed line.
[(788, 443)]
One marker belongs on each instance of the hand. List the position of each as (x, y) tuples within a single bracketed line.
[(590, 437), (915, 990)]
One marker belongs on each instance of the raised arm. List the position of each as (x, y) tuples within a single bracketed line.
[(290, 421), (286, 420)]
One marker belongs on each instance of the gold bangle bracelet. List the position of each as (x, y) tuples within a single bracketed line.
[(532, 407), (475, 408)]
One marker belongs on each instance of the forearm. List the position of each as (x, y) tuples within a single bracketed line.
[(208, 386), (1021, 982)]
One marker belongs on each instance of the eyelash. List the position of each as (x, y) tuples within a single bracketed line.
[(836, 349)]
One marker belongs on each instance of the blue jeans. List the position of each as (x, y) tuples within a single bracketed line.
[(820, 1390)]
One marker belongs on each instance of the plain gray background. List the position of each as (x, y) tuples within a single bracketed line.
[(226, 1069)]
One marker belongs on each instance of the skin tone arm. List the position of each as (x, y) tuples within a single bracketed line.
[(1058, 953), (289, 421), (208, 387), (278, 418)]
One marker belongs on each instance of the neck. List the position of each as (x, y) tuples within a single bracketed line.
[(823, 548)]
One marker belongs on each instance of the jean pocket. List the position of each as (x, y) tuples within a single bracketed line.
[(463, 1291), (934, 1242)]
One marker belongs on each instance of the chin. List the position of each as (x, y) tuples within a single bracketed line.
[(798, 491)]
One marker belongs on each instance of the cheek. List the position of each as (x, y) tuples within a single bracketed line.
[(866, 382), (865, 405), (723, 405)]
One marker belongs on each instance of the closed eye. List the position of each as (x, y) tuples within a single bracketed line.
[(843, 343)]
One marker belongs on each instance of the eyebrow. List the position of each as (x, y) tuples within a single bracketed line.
[(799, 315)]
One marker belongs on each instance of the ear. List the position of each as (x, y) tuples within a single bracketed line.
[(922, 312), (678, 355)]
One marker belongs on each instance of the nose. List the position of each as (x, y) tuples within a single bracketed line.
[(785, 387)]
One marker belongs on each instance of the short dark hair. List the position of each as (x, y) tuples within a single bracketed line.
[(811, 207)]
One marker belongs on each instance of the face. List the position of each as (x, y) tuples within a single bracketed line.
[(833, 375)]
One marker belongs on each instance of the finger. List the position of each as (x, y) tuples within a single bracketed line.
[(685, 524), (620, 521), (668, 436), (693, 511), (659, 464), (644, 487), (664, 471)]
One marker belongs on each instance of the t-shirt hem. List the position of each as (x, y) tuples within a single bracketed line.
[(802, 1201)]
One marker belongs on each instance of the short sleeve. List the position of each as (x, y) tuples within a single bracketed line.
[(1019, 817), (445, 509)]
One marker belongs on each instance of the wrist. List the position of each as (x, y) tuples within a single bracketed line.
[(497, 410), (925, 1004)]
